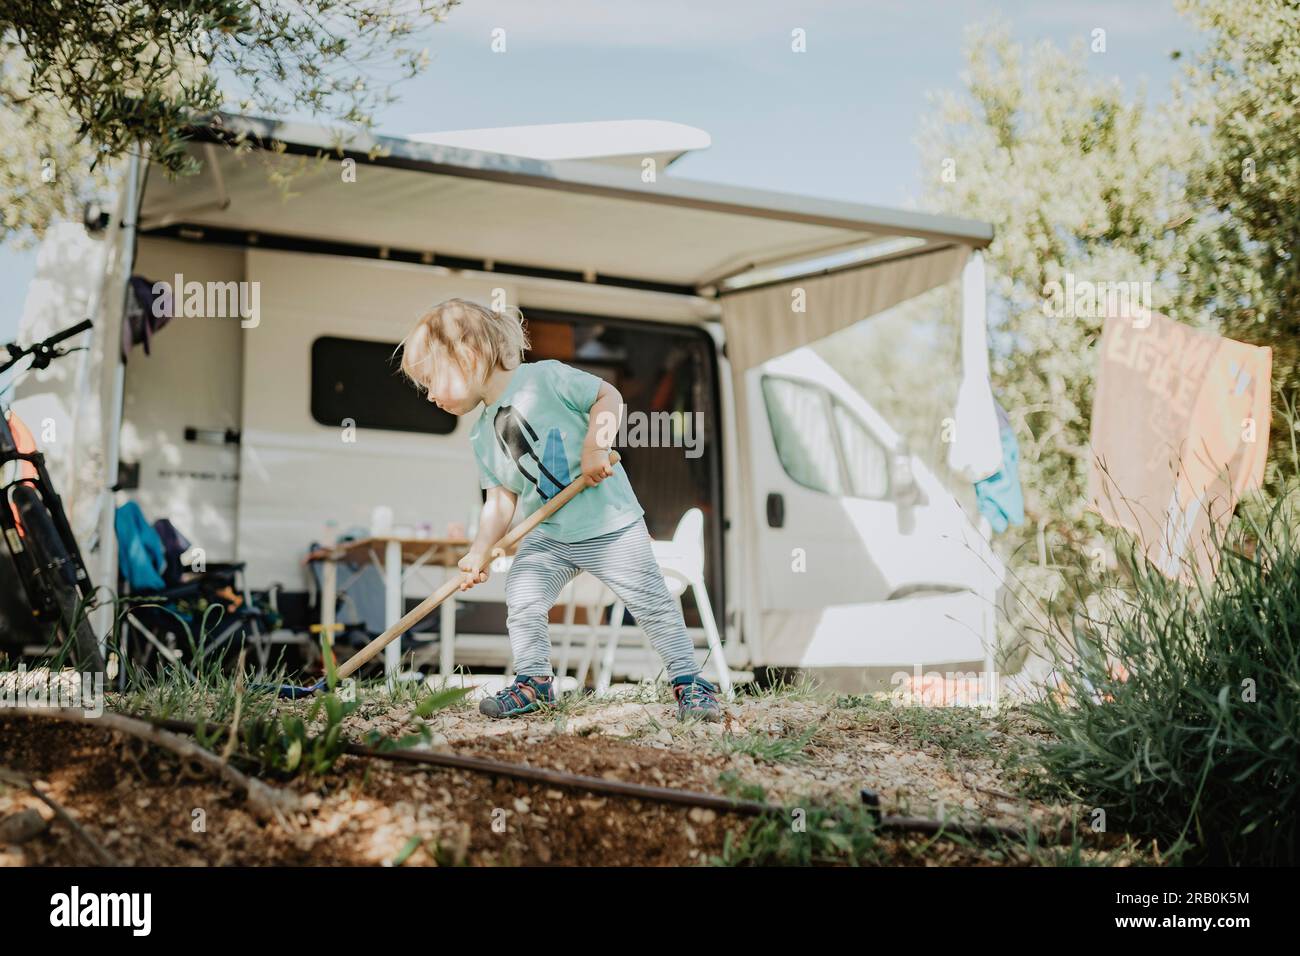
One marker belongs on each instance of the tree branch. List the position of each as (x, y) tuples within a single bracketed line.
[(18, 780), (266, 802)]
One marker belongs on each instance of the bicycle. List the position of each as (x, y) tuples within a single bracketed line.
[(41, 550)]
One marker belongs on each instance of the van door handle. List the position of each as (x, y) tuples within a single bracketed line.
[(775, 510)]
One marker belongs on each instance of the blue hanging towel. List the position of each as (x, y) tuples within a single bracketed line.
[(1000, 497), (140, 554)]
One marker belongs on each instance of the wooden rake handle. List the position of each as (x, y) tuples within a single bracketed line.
[(450, 587)]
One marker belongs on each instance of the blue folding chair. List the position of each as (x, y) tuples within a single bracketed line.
[(183, 615)]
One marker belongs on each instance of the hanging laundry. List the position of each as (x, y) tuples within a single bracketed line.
[(140, 554), (975, 452), (1180, 426), (999, 496), (146, 312), (174, 545)]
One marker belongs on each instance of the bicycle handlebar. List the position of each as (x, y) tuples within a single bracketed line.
[(43, 351), (77, 329)]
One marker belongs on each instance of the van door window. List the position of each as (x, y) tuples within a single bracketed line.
[(864, 457), (801, 429)]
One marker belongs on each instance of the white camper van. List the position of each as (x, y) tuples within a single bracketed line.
[(259, 431)]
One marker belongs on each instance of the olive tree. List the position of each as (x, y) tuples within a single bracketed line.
[(85, 81)]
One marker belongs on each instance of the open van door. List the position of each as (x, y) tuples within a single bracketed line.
[(862, 558)]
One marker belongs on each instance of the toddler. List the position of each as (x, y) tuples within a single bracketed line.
[(543, 424)]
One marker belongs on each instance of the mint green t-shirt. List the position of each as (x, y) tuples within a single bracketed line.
[(530, 440)]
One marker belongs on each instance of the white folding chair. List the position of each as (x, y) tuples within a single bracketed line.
[(682, 562), (583, 591)]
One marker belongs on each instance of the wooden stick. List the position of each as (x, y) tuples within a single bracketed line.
[(501, 548)]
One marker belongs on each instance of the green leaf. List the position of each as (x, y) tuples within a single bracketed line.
[(412, 844), (441, 700)]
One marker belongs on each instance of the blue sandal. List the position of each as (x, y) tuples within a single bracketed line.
[(524, 696), (697, 698)]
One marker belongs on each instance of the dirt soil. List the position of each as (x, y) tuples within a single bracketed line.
[(144, 808)]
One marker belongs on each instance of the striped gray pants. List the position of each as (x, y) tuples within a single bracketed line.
[(624, 563)]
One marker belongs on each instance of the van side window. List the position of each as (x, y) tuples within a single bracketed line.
[(864, 457), (801, 429), (361, 381)]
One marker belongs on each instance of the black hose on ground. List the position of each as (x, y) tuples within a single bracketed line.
[(641, 791)]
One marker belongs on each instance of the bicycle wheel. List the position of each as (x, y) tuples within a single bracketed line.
[(56, 569)]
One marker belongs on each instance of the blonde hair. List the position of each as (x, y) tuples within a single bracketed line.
[(476, 338)]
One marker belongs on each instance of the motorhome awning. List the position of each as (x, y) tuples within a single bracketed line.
[(738, 254), (424, 202)]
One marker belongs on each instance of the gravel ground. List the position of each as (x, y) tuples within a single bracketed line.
[(802, 749)]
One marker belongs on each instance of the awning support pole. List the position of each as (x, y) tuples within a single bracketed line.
[(974, 306), (105, 614)]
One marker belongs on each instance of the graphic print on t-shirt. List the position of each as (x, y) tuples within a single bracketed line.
[(518, 439)]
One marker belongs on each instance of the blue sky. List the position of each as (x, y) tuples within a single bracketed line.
[(837, 121)]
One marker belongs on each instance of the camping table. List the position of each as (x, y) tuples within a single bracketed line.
[(392, 555)]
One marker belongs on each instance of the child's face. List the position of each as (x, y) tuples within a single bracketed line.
[(451, 389)]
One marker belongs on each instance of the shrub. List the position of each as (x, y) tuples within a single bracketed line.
[(1178, 713)]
